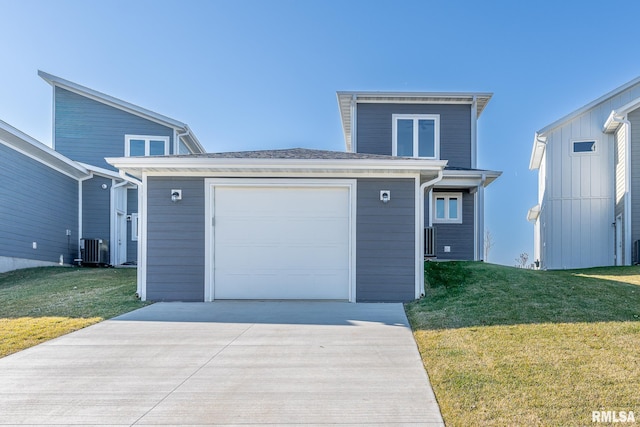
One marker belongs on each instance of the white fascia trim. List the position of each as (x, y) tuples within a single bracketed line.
[(34, 149), (465, 179), (136, 166), (617, 116), (588, 106), (537, 152), (217, 164), (101, 171), (211, 183), (113, 102)]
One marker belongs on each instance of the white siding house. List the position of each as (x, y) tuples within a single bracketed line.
[(584, 215)]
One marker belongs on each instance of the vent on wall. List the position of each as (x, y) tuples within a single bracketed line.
[(429, 242)]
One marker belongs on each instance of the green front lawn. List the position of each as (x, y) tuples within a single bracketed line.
[(505, 346), (38, 304)]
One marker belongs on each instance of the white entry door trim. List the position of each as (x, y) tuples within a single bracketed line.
[(210, 187)]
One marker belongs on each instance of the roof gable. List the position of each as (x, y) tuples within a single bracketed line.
[(183, 129), (591, 105)]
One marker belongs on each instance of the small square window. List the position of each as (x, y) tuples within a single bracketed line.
[(447, 208), (584, 147)]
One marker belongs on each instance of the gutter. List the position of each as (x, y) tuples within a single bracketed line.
[(539, 143), (176, 148)]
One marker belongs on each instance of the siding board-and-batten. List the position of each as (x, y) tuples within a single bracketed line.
[(579, 195), (634, 119), (37, 204)]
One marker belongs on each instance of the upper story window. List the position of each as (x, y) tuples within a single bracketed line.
[(583, 146), (139, 145), (416, 135)]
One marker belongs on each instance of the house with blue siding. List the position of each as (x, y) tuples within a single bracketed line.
[(353, 225), (70, 186)]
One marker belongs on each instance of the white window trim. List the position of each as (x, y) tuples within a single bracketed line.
[(583, 153), (135, 227), (416, 118), (147, 142), (447, 197)]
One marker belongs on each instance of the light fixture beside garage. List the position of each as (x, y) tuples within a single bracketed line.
[(385, 196), (176, 195)]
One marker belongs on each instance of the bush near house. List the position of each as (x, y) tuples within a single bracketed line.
[(506, 346), (38, 304)]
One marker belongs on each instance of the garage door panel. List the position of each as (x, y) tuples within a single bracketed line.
[(281, 242), (270, 284)]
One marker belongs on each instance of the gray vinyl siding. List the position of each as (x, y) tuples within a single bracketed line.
[(37, 204), (132, 207), (460, 237), (96, 205), (385, 241), (88, 131), (374, 133), (634, 118), (175, 240)]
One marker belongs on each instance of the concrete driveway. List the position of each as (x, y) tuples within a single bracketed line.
[(226, 363)]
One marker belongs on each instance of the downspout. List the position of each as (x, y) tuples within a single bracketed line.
[(423, 188), (176, 148), (80, 181), (354, 111), (474, 132), (627, 188), (479, 220)]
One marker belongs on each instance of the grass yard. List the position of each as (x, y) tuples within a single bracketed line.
[(38, 304), (511, 347)]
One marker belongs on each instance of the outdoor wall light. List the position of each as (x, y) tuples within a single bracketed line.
[(385, 196), (176, 195)]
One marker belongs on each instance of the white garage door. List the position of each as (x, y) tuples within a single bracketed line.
[(281, 242)]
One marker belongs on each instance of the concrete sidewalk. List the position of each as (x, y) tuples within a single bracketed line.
[(226, 363)]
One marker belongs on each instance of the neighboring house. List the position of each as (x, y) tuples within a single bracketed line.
[(39, 199), (588, 162), (87, 127), (313, 224)]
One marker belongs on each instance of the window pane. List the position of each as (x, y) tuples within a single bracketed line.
[(156, 148), (426, 138), (584, 146), (404, 139), (136, 147), (453, 208), (440, 208)]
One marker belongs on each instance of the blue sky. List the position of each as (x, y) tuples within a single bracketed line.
[(249, 75)]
